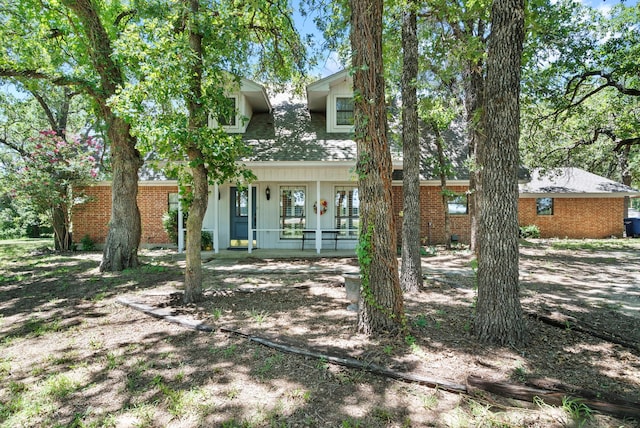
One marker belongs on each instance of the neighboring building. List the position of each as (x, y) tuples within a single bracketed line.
[(306, 194)]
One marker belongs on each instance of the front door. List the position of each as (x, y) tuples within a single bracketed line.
[(239, 216)]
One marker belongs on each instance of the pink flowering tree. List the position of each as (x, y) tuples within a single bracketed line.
[(49, 175)]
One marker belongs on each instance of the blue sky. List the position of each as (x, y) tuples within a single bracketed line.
[(329, 63)]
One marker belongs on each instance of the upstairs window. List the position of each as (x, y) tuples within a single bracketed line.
[(228, 115), (544, 206), (344, 111)]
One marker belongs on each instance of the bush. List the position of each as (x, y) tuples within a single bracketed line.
[(170, 225), (207, 240), (88, 244), (530, 231)]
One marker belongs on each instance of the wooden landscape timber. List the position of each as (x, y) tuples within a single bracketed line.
[(617, 408)]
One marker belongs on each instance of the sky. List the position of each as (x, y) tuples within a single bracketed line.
[(330, 64)]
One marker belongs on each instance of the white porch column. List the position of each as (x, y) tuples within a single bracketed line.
[(216, 218), (318, 214), (249, 220), (180, 228)]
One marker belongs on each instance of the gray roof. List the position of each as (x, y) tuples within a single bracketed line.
[(291, 133), (573, 181)]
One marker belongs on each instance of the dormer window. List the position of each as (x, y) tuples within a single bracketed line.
[(229, 115), (344, 111)]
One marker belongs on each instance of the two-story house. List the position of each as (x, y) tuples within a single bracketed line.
[(306, 196)]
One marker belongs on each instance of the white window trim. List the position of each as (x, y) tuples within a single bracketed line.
[(332, 115), (242, 116)]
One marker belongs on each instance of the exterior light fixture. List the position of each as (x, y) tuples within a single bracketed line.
[(267, 193)]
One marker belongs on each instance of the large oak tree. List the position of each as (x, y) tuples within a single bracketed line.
[(499, 314), (381, 309), (70, 44)]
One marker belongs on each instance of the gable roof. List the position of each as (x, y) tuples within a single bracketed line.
[(573, 182), (256, 94), (317, 91)]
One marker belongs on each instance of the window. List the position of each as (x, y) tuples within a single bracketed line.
[(458, 205), (173, 201), (242, 203), (344, 111), (544, 206), (347, 211), (292, 218), (227, 117)]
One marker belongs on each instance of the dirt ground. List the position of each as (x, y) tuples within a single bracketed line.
[(62, 323)]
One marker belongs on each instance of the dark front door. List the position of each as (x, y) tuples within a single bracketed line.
[(239, 216)]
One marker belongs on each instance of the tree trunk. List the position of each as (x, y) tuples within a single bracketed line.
[(381, 305), (60, 224), (197, 210), (123, 239), (199, 172), (121, 247), (499, 314), (474, 99), (411, 279), (443, 185)]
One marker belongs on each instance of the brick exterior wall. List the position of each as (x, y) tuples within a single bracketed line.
[(576, 217), (432, 213), (573, 217), (93, 217)]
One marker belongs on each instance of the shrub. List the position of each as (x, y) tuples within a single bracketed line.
[(170, 225), (88, 244), (530, 231), (207, 240)]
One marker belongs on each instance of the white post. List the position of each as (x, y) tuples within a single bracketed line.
[(180, 228), (216, 218), (318, 214), (249, 220)]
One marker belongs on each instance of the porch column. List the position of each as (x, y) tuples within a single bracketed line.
[(249, 220), (180, 228), (318, 213), (216, 218)]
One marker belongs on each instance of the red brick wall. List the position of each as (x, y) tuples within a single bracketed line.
[(576, 217), (432, 212), (93, 217)]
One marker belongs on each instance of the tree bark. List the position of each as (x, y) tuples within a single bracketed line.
[(123, 239), (443, 184), (499, 314), (61, 230), (199, 172), (381, 306), (474, 99), (411, 278)]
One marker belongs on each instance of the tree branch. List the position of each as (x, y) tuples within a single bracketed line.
[(83, 85)]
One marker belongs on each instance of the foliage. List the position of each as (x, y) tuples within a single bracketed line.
[(529, 231), (45, 177), (206, 240), (170, 225), (581, 92), (88, 244)]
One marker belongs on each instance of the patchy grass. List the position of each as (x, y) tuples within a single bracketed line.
[(72, 357)]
